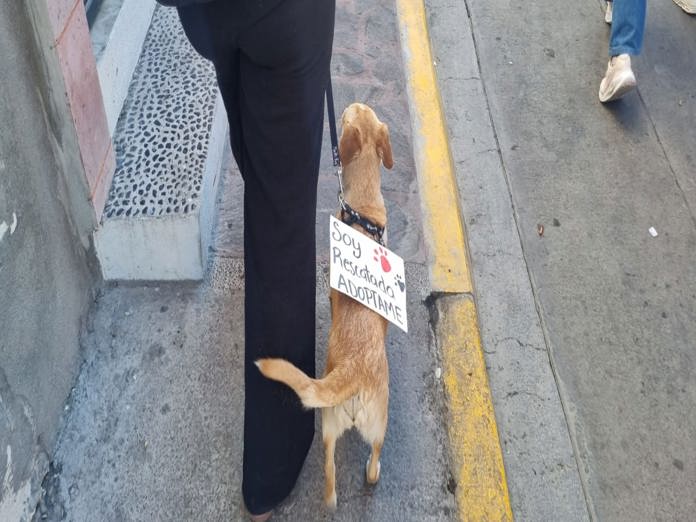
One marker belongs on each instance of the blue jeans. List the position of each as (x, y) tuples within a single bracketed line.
[(627, 26)]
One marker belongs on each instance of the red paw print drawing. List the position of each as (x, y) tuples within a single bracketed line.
[(381, 256)]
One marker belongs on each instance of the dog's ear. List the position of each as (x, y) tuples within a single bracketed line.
[(350, 143), (384, 146)]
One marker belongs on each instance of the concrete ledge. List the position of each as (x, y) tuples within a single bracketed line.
[(146, 249), (117, 44), (169, 144)]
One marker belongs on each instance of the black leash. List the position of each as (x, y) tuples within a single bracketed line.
[(332, 125), (348, 215)]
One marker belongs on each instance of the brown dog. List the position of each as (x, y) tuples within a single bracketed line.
[(355, 388)]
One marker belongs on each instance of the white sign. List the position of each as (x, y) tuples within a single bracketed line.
[(368, 272)]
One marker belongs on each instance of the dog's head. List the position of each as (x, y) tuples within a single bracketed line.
[(363, 133)]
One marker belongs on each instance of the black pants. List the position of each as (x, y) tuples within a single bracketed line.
[(272, 69)]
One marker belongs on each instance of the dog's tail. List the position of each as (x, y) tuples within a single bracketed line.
[(334, 389)]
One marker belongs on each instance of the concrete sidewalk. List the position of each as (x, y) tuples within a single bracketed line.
[(153, 427)]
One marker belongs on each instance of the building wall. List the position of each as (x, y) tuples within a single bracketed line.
[(48, 275), (69, 37)]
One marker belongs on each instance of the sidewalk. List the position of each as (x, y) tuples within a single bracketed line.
[(153, 430)]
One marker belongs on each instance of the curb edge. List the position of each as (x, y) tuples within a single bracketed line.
[(482, 492)]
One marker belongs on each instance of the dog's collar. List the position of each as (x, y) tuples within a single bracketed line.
[(351, 217)]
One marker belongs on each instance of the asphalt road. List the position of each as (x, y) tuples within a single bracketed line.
[(595, 307)]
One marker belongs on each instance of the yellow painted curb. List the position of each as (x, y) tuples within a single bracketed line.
[(481, 491), (449, 266)]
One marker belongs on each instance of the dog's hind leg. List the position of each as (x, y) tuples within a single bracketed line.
[(331, 432), (374, 431), (330, 472), (373, 466)]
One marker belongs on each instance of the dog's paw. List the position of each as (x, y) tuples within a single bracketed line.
[(372, 480), (331, 501)]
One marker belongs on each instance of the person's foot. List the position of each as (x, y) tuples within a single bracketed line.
[(689, 6), (608, 12), (260, 518), (619, 79)]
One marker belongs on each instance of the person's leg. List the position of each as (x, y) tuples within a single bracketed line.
[(284, 70), (227, 71), (213, 30), (628, 24), (627, 27), (273, 89)]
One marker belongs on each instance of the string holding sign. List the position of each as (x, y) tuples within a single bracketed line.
[(368, 272)]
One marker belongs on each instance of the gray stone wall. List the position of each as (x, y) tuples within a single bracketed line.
[(47, 273)]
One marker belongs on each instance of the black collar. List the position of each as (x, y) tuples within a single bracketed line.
[(351, 217)]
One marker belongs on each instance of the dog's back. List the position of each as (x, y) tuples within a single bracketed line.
[(356, 361)]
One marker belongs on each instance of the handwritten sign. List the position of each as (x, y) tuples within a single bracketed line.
[(368, 272)]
